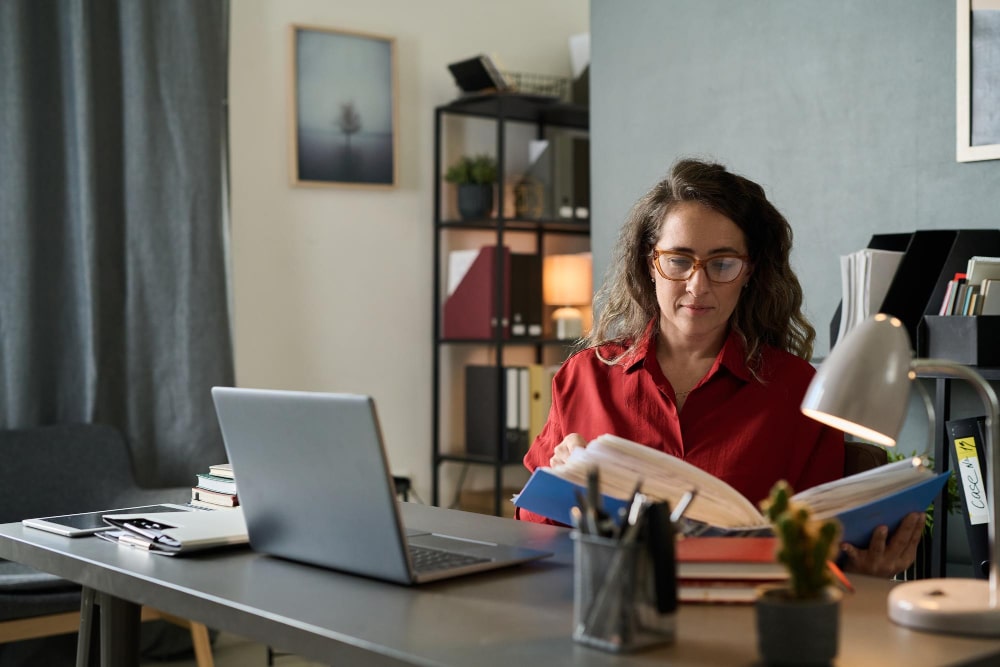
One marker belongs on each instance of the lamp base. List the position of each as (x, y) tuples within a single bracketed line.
[(950, 606), (569, 323)]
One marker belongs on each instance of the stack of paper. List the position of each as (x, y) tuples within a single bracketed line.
[(865, 277)]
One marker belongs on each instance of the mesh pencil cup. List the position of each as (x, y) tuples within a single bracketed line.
[(614, 596)]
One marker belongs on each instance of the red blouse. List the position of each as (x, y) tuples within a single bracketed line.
[(747, 432)]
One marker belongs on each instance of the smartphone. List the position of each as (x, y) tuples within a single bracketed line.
[(87, 523)]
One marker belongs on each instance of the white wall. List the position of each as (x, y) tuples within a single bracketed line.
[(332, 286)]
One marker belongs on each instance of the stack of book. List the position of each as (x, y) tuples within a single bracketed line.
[(216, 489), (726, 569)]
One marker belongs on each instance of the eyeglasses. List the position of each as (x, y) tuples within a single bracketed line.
[(681, 266)]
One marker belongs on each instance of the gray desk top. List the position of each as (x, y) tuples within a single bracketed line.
[(517, 616)]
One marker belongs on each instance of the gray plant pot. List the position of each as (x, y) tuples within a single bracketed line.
[(475, 200), (797, 632)]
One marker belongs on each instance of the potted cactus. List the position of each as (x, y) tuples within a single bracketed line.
[(798, 622), (474, 176)]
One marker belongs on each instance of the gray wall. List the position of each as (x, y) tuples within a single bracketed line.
[(844, 111)]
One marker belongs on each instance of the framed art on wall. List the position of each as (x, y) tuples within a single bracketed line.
[(343, 108), (978, 80)]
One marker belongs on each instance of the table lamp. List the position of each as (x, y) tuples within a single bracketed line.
[(863, 388), (567, 282)]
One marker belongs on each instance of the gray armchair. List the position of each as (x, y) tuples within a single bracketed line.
[(63, 469)]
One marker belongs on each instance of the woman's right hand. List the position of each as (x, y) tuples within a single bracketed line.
[(562, 451)]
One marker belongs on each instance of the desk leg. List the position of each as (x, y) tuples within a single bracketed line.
[(119, 631), (85, 641)]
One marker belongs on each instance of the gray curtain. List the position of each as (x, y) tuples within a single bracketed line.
[(113, 259)]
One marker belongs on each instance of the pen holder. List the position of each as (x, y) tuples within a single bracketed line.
[(614, 596)]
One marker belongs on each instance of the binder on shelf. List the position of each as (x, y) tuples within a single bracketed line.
[(525, 295), (492, 391), (540, 391), (968, 457), (470, 311)]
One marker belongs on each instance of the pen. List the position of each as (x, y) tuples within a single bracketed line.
[(587, 518), (682, 505), (840, 576)]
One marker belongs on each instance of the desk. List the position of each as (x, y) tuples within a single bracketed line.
[(517, 616)]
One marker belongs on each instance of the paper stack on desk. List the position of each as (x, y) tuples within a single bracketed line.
[(171, 533)]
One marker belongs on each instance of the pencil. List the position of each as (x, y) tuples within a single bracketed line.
[(840, 576)]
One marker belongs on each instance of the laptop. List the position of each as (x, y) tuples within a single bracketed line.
[(315, 487)]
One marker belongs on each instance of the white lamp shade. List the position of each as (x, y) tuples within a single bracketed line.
[(863, 387), (567, 280)]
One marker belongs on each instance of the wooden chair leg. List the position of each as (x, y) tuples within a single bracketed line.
[(199, 635), (202, 645)]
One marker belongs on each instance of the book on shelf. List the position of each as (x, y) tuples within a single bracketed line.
[(968, 457), (213, 499), (861, 502), (216, 483), (951, 295), (980, 268)]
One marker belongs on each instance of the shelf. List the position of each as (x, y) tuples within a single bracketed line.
[(545, 342), (527, 108), (551, 235), (560, 225), (988, 373), (472, 458)]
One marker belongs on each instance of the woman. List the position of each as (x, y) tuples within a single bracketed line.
[(701, 350)]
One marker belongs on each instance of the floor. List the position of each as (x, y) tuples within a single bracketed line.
[(234, 651)]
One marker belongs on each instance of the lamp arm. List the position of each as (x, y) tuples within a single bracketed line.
[(989, 398), (931, 416)]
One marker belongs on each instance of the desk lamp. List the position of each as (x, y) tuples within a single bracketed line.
[(863, 388), (567, 282)]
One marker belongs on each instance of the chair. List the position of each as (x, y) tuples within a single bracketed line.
[(62, 469), (862, 456)]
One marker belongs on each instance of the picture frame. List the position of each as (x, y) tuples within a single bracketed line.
[(977, 90), (344, 125)]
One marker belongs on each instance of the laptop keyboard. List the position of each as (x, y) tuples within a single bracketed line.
[(430, 560)]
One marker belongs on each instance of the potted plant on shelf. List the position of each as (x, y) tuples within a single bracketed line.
[(474, 176), (798, 622)]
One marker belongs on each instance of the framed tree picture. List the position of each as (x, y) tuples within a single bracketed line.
[(978, 80), (343, 107)]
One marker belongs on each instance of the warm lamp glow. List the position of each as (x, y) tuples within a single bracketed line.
[(567, 281), (863, 388)]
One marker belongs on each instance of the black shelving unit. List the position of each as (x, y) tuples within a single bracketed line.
[(544, 114), (935, 564)]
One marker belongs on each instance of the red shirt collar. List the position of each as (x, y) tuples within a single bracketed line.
[(731, 356)]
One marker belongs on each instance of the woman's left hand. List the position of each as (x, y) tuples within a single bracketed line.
[(886, 556)]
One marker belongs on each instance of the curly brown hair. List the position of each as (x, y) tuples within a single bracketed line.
[(769, 311)]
